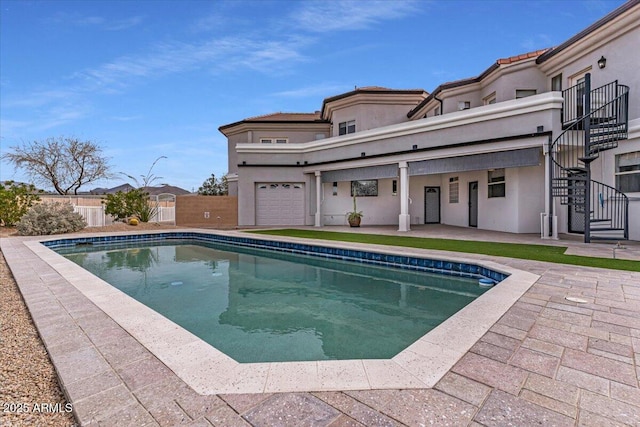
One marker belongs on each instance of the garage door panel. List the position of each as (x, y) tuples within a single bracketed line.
[(280, 204)]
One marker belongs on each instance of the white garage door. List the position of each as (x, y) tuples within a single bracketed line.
[(280, 203)]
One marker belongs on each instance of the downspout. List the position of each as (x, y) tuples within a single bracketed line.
[(550, 189), (441, 104)]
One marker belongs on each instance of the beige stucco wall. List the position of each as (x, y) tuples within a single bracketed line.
[(370, 116)]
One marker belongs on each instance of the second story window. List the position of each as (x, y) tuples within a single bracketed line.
[(274, 140), (464, 105), (347, 127), (491, 99), (523, 93), (556, 82)]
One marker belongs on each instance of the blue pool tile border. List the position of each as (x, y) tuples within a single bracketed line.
[(451, 268)]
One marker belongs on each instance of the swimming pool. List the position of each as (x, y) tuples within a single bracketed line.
[(209, 371), (258, 305)]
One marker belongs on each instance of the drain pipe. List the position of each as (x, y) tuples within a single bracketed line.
[(441, 104), (550, 188)]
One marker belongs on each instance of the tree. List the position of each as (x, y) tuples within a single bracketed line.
[(65, 163), (15, 201), (214, 187)]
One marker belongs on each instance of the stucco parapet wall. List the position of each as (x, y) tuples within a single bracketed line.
[(560, 56), (503, 110)]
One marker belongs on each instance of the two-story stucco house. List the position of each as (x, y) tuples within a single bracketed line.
[(547, 141)]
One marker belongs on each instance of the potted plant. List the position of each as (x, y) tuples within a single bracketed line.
[(355, 216)]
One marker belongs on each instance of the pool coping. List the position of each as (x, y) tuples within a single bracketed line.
[(208, 371)]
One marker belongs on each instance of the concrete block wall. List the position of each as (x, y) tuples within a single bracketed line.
[(207, 211)]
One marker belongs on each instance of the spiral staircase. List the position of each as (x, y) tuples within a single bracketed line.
[(594, 120)]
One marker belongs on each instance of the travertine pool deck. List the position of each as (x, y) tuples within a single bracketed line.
[(546, 360)]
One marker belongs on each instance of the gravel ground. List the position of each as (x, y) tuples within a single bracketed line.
[(27, 378)]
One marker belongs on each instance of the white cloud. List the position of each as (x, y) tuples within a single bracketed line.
[(321, 90), (342, 15), (100, 22)]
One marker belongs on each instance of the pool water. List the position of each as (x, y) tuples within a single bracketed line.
[(263, 306)]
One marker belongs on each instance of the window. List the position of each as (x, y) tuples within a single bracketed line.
[(454, 190), (464, 105), (491, 99), (628, 172), (347, 127), (496, 183), (364, 188), (394, 187), (335, 188), (556, 82), (523, 93), (273, 140)]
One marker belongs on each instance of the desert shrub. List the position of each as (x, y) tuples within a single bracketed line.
[(15, 201), (130, 203), (50, 218)]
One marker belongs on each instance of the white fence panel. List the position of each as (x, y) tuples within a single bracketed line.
[(94, 215), (164, 214)]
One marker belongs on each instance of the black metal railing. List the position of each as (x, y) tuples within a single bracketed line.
[(609, 210), (609, 120), (573, 107), (591, 124)]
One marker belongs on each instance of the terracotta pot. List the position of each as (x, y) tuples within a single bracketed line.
[(355, 222)]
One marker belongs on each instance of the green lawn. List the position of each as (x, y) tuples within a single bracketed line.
[(511, 250)]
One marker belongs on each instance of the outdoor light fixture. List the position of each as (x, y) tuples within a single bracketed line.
[(602, 62), (363, 154)]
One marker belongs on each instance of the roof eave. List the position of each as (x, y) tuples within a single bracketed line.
[(590, 29)]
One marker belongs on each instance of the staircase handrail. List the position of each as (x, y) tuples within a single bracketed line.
[(574, 139), (610, 204)]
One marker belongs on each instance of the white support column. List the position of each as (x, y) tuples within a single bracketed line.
[(318, 222), (549, 202), (404, 219)]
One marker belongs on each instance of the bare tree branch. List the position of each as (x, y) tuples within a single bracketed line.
[(64, 163)]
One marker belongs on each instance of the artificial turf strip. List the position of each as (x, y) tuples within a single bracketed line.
[(512, 250)]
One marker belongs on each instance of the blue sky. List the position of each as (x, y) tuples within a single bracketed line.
[(158, 77)]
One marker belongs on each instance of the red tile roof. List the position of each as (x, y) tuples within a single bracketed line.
[(522, 57), (285, 117)]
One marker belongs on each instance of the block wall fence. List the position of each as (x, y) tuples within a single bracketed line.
[(207, 211)]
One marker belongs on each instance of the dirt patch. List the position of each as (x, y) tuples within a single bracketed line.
[(27, 376)]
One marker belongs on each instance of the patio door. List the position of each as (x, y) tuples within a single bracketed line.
[(432, 205), (473, 204)]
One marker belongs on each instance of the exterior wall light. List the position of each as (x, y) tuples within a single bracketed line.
[(602, 62)]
